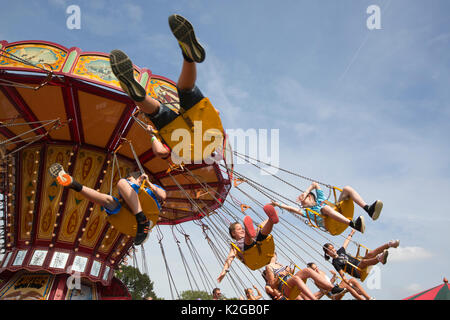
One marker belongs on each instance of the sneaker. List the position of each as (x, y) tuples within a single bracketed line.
[(394, 243), (142, 232), (337, 291), (249, 228), (184, 33), (56, 170), (358, 224), (375, 209), (271, 213), (382, 257), (122, 67)]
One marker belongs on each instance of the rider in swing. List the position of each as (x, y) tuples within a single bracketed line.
[(128, 190)]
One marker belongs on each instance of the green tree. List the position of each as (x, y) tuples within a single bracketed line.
[(139, 285), (195, 295)]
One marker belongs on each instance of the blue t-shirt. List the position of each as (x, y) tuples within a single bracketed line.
[(320, 203)]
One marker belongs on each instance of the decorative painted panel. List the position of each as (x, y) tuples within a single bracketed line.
[(87, 169), (97, 68), (51, 191), (36, 54), (30, 168)]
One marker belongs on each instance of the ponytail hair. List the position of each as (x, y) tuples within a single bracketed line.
[(325, 251)]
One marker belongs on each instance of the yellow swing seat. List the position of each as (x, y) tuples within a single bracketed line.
[(344, 207), (362, 273), (259, 255), (295, 291), (202, 122), (125, 222)]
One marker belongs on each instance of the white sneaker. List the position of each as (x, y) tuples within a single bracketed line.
[(382, 257), (394, 243)]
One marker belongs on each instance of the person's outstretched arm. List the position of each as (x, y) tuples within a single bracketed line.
[(227, 264), (288, 208), (347, 240), (259, 296)]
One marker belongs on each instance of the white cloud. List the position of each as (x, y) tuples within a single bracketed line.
[(414, 287), (408, 254)]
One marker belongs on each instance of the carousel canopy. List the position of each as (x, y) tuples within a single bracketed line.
[(64, 105), (441, 292)]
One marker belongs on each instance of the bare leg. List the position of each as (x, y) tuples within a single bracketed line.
[(188, 76), (296, 281), (358, 290), (329, 212), (319, 280), (266, 227), (149, 105), (368, 262), (375, 252), (186, 81), (350, 193), (350, 289), (248, 240), (129, 195), (99, 198)]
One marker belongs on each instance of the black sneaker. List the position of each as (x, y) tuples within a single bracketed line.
[(337, 291), (375, 209), (122, 67), (142, 233), (358, 224), (184, 33)]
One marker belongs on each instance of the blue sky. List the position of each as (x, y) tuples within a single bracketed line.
[(367, 108)]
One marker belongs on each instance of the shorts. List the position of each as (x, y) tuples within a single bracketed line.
[(165, 115), (285, 279), (116, 206), (259, 237), (353, 271)]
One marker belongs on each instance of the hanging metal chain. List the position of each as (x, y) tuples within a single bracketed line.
[(281, 169)]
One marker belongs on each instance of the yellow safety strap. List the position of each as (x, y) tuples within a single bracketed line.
[(291, 274), (357, 268), (236, 247), (334, 193), (315, 225), (359, 247)]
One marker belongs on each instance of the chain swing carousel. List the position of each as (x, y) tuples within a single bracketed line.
[(66, 106)]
